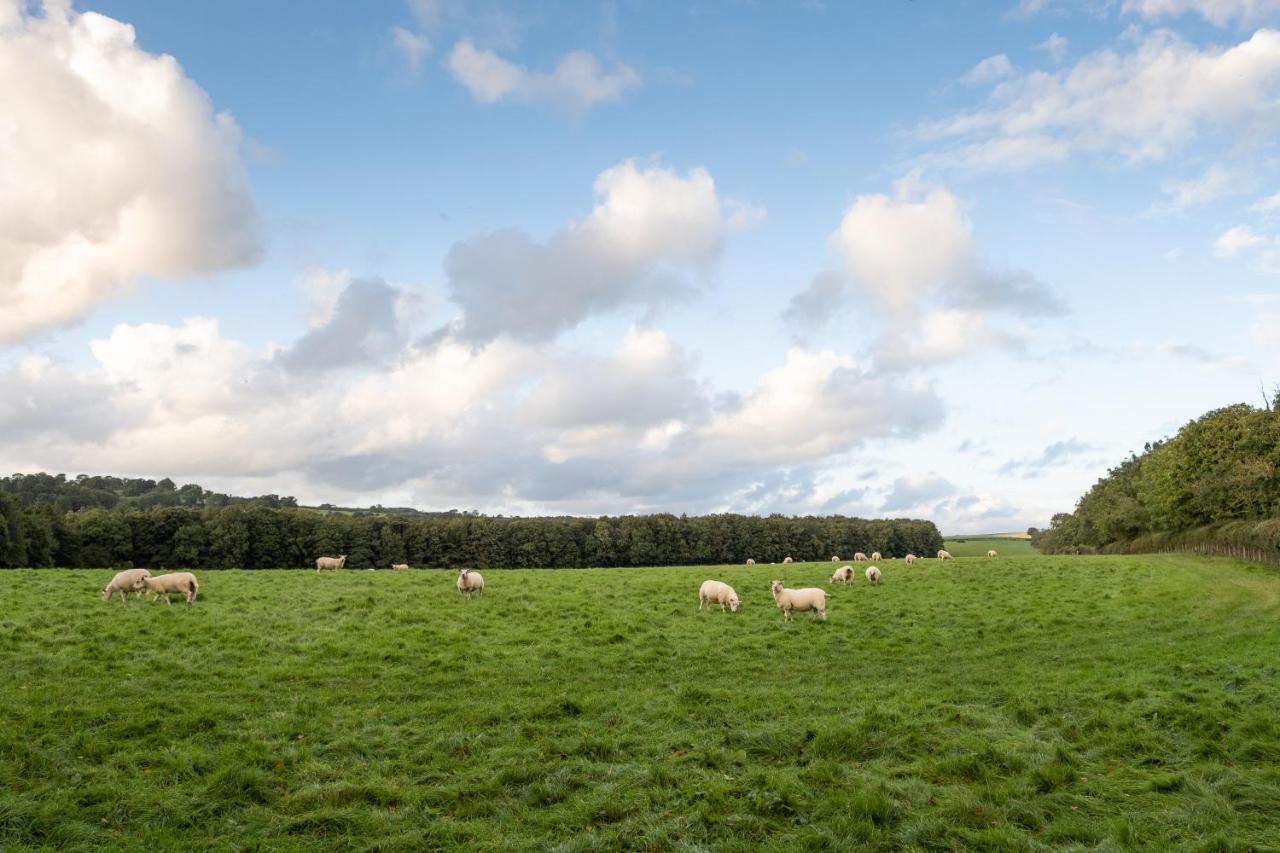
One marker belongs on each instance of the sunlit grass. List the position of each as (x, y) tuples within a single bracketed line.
[(1015, 703)]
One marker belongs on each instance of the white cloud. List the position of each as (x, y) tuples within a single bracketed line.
[(988, 70), (577, 82), (113, 166), (1142, 105), (651, 230), (413, 47), (1235, 240), (1270, 204), (1220, 12), (1213, 184), (1056, 47)]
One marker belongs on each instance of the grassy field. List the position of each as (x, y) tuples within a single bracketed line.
[(1021, 703), (977, 546)]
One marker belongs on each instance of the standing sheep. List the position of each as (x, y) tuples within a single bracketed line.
[(911, 558), (945, 555), (470, 581), (791, 600), (162, 585), (873, 574), (750, 562), (834, 558), (129, 580), (859, 557), (787, 560), (875, 555), (399, 567), (844, 574), (334, 563), (715, 592), (991, 553)]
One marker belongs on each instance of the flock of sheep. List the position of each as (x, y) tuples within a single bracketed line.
[(471, 582)]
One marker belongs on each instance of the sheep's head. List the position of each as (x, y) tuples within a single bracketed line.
[(462, 574), (775, 587), (733, 604), (106, 592)]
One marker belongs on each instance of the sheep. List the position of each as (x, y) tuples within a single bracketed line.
[(183, 582), (129, 580), (334, 563), (750, 562), (834, 558), (715, 592), (844, 574), (787, 560), (791, 600), (991, 553), (469, 581), (875, 555), (873, 574), (910, 558), (945, 555), (859, 557), (400, 567)]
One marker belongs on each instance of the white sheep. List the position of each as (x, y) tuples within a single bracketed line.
[(844, 574), (873, 574), (910, 558), (125, 582), (859, 557), (787, 560), (469, 581), (834, 558), (334, 563), (791, 600), (400, 567), (750, 562), (945, 555), (991, 553), (162, 585), (875, 555), (715, 592)]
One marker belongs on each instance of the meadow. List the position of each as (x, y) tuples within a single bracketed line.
[(977, 546), (1021, 703)]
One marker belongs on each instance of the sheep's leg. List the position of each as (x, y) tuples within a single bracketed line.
[(701, 601), (167, 600)]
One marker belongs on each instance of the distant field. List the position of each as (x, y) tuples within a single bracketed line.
[(1020, 703), (977, 546)]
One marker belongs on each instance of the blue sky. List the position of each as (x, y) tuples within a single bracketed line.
[(947, 260)]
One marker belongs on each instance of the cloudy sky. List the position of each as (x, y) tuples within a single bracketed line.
[(933, 258)]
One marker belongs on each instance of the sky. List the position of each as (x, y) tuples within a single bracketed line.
[(944, 259)]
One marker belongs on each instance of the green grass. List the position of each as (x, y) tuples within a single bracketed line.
[(977, 546), (1022, 703)]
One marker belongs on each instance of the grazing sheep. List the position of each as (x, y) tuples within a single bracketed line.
[(791, 600), (162, 585), (334, 563), (715, 592), (787, 560), (873, 574), (875, 555), (844, 574), (945, 555), (399, 567), (130, 580), (910, 558), (470, 581), (859, 557), (834, 558), (991, 553), (750, 562)]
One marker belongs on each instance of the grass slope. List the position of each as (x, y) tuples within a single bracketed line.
[(977, 546), (1021, 703)]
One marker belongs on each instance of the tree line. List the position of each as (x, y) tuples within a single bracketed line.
[(1215, 484), (253, 536)]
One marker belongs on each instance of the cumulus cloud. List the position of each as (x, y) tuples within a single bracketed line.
[(1062, 452), (1056, 47), (146, 180), (1142, 105), (1238, 239), (651, 234), (913, 255), (914, 492), (988, 70), (1216, 182), (1220, 12), (577, 81), (361, 328), (413, 47)]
